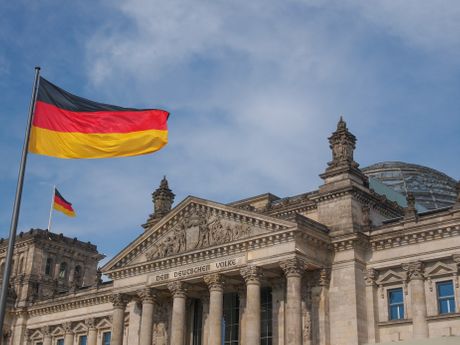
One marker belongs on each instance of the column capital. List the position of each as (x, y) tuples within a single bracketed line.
[(370, 276), (119, 301), (90, 323), (46, 331), (147, 295), (251, 274), (178, 289), (67, 326), (415, 270), (294, 267), (214, 281)]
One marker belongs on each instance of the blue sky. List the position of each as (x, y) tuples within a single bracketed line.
[(254, 89)]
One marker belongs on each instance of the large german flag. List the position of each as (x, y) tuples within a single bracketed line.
[(62, 205), (68, 126)]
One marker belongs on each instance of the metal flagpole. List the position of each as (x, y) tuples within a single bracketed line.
[(16, 206), (51, 208)]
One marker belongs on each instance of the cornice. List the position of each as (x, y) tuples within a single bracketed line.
[(349, 241), (70, 303), (414, 235)]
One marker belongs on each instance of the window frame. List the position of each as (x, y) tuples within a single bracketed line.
[(448, 298), (398, 305)]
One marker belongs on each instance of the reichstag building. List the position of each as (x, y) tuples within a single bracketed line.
[(371, 256)]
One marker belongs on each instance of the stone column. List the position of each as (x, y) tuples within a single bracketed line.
[(323, 307), (216, 301), (371, 306), (252, 275), (179, 292), (46, 335), (278, 288), (148, 300), (118, 319), (418, 301), (293, 269), (68, 337), (92, 331)]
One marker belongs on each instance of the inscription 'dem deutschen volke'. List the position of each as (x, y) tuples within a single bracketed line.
[(199, 269)]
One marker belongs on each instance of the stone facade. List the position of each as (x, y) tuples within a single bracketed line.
[(341, 265)]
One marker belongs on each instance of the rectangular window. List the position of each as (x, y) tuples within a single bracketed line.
[(231, 319), (82, 340), (396, 304), (106, 338), (266, 316), (60, 342), (197, 321), (446, 299)]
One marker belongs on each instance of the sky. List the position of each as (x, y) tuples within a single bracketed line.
[(254, 89)]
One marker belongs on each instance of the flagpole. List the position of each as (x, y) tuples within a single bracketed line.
[(17, 204), (51, 208)]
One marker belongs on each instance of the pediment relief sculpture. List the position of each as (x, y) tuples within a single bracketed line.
[(198, 230)]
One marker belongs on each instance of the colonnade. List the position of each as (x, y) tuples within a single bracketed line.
[(293, 269)]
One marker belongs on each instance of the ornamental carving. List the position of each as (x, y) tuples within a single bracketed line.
[(118, 300), (370, 276), (415, 270), (342, 144), (46, 331), (214, 281), (67, 326), (90, 323), (324, 277), (178, 289), (251, 274), (147, 295), (293, 267), (195, 230)]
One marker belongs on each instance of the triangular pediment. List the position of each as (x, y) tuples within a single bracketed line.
[(390, 277), (37, 334), (103, 323), (193, 225), (80, 327), (439, 269), (57, 331)]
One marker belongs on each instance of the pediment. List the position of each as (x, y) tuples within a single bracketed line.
[(57, 331), (193, 225), (37, 334), (390, 277), (80, 327), (439, 269), (103, 323)]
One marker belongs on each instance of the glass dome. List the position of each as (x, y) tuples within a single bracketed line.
[(431, 188)]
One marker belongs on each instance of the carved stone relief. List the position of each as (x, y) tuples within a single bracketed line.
[(195, 230)]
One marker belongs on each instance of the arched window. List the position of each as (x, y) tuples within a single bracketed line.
[(63, 270), (49, 267)]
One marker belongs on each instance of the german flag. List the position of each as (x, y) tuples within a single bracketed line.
[(62, 205), (68, 126)]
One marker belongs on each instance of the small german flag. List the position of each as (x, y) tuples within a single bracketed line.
[(62, 205), (69, 126)]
